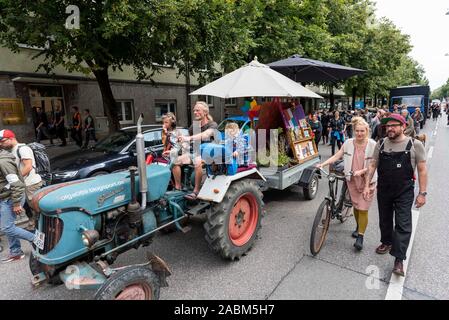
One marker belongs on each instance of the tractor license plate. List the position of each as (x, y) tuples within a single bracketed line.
[(39, 240)]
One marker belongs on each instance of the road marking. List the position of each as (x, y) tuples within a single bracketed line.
[(430, 154), (396, 285)]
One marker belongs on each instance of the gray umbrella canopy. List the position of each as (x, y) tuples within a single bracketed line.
[(308, 70)]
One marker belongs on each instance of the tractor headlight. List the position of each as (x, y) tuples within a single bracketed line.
[(90, 237)]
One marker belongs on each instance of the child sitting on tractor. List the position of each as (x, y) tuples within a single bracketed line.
[(235, 147)]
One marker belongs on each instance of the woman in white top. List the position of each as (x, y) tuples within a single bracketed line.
[(356, 154)]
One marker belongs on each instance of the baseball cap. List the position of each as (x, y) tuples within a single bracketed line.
[(394, 117), (6, 134)]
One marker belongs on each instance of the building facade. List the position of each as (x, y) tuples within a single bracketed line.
[(22, 88)]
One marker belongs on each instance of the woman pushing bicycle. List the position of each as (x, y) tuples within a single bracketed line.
[(356, 154)]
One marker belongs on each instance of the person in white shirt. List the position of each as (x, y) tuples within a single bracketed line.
[(26, 163)]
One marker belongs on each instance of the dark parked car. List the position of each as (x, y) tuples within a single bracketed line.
[(113, 153)]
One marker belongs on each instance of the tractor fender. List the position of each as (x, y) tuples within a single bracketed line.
[(215, 188)]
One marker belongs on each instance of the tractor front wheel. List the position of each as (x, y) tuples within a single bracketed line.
[(232, 225), (132, 283)]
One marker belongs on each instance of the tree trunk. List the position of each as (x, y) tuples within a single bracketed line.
[(109, 103), (188, 99), (375, 100), (354, 96)]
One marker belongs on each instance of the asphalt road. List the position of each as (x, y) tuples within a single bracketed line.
[(280, 265)]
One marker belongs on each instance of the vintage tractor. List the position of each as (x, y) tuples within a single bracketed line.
[(85, 225)]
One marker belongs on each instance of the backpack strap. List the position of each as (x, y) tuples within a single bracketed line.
[(410, 144), (382, 144)]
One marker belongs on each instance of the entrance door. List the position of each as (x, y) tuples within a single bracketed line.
[(47, 97)]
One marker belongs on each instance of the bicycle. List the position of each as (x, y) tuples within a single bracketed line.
[(330, 209)]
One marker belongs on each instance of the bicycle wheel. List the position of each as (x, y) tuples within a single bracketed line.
[(345, 204), (320, 227)]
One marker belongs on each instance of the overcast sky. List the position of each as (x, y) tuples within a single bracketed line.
[(427, 24)]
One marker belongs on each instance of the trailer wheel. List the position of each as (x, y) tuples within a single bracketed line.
[(36, 267), (131, 283), (232, 225), (311, 190)]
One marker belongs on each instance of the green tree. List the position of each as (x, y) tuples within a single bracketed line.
[(191, 34), (111, 34)]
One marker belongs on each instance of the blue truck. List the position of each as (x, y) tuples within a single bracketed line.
[(412, 97)]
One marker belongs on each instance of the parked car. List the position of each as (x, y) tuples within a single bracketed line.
[(113, 153)]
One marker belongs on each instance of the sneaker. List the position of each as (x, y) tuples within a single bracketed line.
[(383, 248), (398, 268), (359, 242), (355, 234), (11, 258)]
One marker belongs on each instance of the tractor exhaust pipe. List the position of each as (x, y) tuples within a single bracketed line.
[(140, 147)]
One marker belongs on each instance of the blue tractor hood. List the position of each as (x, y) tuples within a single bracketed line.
[(97, 194)]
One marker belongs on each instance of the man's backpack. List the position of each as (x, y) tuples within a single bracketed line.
[(42, 161)]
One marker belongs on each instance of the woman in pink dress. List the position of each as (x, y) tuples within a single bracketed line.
[(356, 154)]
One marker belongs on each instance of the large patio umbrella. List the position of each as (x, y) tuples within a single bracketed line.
[(309, 70), (255, 80)]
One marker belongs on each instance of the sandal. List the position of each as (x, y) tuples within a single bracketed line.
[(191, 196)]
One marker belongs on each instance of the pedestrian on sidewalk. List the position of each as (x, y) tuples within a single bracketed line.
[(410, 129), (76, 127), (337, 128), (418, 119), (11, 194), (325, 118), (89, 128), (356, 154), (42, 126), (58, 124), (26, 163), (317, 129), (396, 158)]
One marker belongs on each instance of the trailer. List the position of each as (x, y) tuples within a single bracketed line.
[(303, 175)]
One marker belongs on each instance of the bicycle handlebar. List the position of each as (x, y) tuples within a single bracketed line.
[(351, 173)]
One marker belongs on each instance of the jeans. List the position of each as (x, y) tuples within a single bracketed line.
[(12, 232)]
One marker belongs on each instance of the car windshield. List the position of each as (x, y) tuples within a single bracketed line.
[(223, 124), (408, 101), (116, 141)]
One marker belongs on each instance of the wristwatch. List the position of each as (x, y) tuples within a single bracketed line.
[(423, 194)]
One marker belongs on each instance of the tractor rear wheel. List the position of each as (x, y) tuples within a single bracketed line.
[(131, 283), (232, 225)]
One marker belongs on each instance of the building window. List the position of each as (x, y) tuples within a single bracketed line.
[(210, 101), (125, 111), (266, 99), (162, 107), (12, 112), (231, 102)]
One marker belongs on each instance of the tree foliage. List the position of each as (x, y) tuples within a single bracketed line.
[(203, 37)]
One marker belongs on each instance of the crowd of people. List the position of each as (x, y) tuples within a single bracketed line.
[(334, 127), (55, 128)]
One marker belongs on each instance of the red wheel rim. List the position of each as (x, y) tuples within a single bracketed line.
[(243, 219), (139, 291)]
